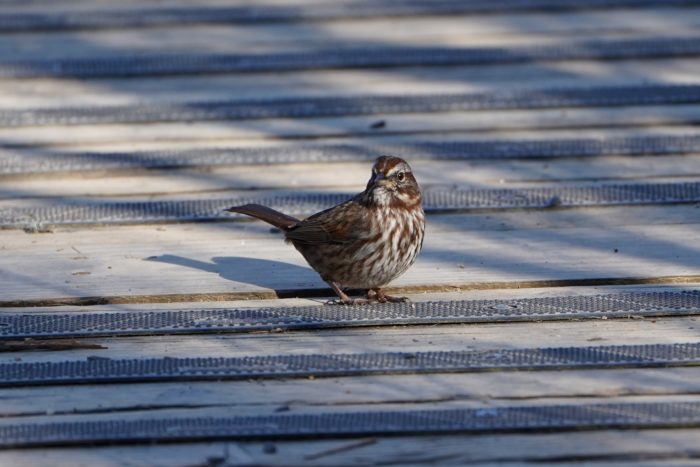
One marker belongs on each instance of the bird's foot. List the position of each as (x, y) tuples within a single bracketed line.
[(381, 297), (375, 295), (343, 298)]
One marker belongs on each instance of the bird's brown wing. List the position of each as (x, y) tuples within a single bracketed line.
[(330, 226)]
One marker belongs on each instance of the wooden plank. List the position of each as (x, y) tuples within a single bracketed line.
[(28, 212), (475, 294), (42, 93), (542, 454), (644, 448), (173, 414), (469, 30), (246, 260), (318, 176), (382, 339), (258, 397), (516, 124), (409, 405)]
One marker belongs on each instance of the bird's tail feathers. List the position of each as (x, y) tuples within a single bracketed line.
[(276, 218)]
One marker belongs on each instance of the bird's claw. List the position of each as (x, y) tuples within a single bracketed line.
[(374, 296), (391, 299), (381, 297)]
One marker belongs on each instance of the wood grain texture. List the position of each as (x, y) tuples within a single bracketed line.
[(478, 389), (246, 258), (382, 339), (645, 448)]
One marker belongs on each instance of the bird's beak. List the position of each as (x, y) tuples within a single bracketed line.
[(379, 179)]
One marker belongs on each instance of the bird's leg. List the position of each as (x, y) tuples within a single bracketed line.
[(344, 299), (383, 298)]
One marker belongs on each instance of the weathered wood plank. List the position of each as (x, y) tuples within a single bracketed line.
[(38, 214), (316, 176), (491, 388), (644, 448), (468, 30), (410, 405), (191, 414), (245, 259), (516, 124), (475, 294), (42, 93), (382, 339)]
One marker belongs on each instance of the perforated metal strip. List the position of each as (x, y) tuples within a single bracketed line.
[(100, 370), (54, 325), (365, 57), (344, 424), (435, 200), (144, 16), (13, 163), (360, 105)]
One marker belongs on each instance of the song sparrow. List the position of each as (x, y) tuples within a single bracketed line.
[(365, 242)]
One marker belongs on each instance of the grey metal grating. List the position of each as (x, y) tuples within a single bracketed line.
[(435, 201), (112, 371), (12, 163), (349, 58), (604, 96), (334, 425), (54, 325), (252, 14)]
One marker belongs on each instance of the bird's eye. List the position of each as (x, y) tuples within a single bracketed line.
[(401, 176)]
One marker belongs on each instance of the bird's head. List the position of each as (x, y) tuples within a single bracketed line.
[(393, 183)]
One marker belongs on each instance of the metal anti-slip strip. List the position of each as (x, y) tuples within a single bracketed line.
[(621, 305), (253, 14), (345, 424), (105, 370), (607, 96), (435, 201), (12, 163), (349, 58)]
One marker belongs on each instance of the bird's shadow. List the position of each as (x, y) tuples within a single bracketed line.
[(284, 278)]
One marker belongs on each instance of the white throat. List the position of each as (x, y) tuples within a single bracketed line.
[(381, 196)]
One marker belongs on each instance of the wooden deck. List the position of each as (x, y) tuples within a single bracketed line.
[(151, 263)]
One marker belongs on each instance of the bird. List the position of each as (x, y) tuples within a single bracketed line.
[(364, 242)]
